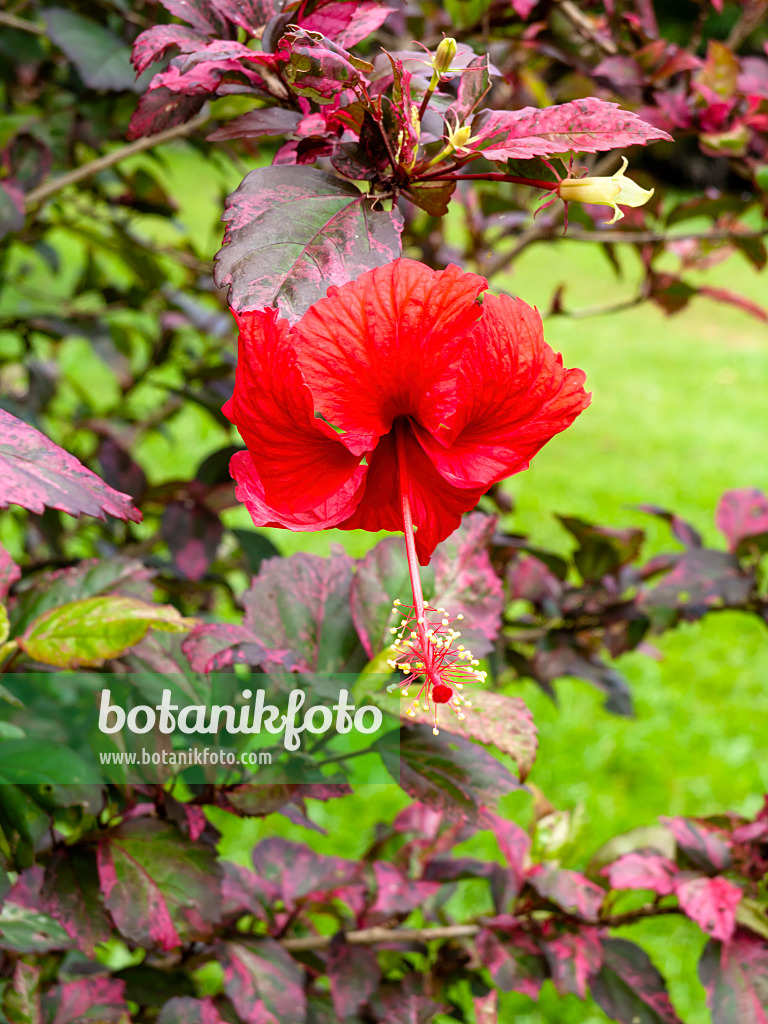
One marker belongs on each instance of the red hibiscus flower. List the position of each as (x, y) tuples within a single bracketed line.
[(393, 404), (402, 379)]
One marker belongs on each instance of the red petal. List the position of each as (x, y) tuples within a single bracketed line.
[(332, 512), (436, 505), (513, 396), (388, 345), (300, 460)]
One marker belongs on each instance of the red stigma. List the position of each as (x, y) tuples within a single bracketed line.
[(441, 694)]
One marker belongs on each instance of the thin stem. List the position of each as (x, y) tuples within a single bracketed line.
[(547, 186), (410, 543), (428, 95), (49, 188)]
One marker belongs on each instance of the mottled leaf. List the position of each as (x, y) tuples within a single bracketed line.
[(150, 45), (516, 964), (574, 958), (95, 1000), (742, 516), (396, 894), (602, 550), (514, 844), (263, 982), (588, 125), (71, 895), (353, 973), (160, 888), (346, 23), (292, 871), (258, 123), (569, 890), (86, 633), (160, 109), (317, 68), (629, 988), (297, 609), (643, 870), (486, 1007), (405, 1002), (445, 771), (192, 533), (293, 231), (185, 1010), (37, 474), (702, 845), (474, 83), (21, 1001), (465, 582), (736, 979), (711, 903)]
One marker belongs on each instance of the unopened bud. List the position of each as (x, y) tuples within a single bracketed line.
[(444, 55)]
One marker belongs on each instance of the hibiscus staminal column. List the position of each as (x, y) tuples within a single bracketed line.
[(425, 642)]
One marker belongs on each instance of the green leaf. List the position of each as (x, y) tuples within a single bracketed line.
[(83, 634), (103, 60)]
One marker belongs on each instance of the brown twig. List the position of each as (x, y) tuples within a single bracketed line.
[(21, 24), (584, 26), (751, 17), (376, 935), (49, 188)]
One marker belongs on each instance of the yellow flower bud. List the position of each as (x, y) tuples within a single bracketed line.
[(614, 191), (444, 54)]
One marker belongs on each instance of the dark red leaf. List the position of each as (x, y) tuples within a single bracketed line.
[(405, 1003), (71, 895), (569, 890), (192, 533), (37, 474), (445, 771), (161, 109), (96, 1000), (160, 888), (588, 125), (711, 903), (742, 516), (396, 894), (258, 123), (736, 979), (185, 1010), (294, 872), (701, 580), (574, 958), (706, 850), (353, 972), (643, 870), (263, 982), (684, 532), (629, 988), (516, 964), (293, 231)]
